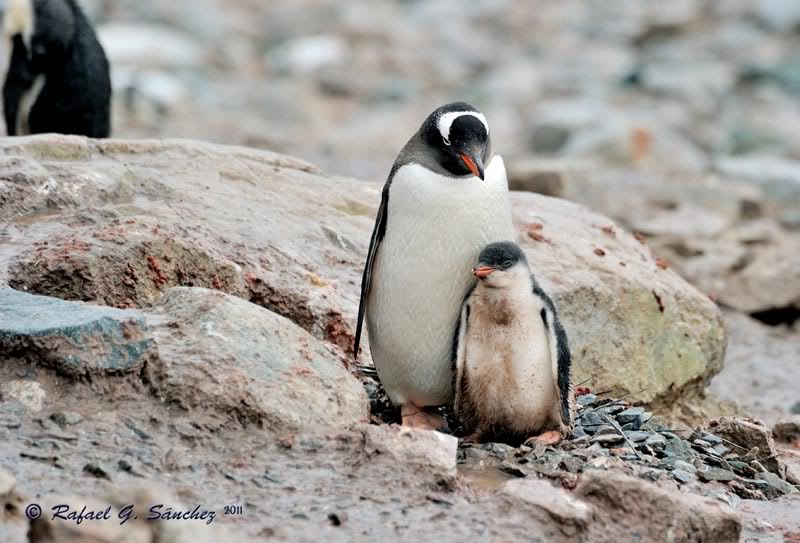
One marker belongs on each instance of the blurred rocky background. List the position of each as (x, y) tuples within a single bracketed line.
[(679, 120)]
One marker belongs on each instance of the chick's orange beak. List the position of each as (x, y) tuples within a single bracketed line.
[(483, 271), (473, 164)]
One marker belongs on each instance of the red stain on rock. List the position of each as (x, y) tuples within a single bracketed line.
[(662, 263), (338, 333), (158, 276), (534, 232)]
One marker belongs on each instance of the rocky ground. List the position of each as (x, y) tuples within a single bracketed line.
[(680, 124), (159, 349), (179, 315)]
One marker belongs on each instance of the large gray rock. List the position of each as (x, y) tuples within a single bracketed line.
[(670, 516), (621, 307), (75, 339), (297, 240), (221, 353)]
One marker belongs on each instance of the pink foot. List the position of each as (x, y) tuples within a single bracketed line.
[(416, 417), (548, 438)]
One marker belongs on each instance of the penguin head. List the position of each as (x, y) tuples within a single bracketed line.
[(45, 28), (458, 136), (501, 265)]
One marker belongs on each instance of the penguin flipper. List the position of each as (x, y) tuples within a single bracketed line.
[(560, 356), (378, 232), (459, 352), (19, 80)]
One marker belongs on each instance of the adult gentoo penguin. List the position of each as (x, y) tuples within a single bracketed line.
[(446, 198), (511, 355), (58, 76)]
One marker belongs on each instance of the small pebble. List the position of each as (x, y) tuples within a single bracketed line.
[(608, 439), (637, 436), (685, 466), (96, 470), (683, 476), (716, 474), (590, 422), (631, 415), (586, 399), (777, 486), (66, 418), (606, 430), (579, 432), (656, 441)]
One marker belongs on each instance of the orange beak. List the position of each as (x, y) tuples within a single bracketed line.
[(473, 164), (483, 271)]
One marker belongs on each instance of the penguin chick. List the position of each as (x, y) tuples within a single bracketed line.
[(446, 198), (511, 356), (58, 75)]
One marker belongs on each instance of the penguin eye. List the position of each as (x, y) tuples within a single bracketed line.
[(446, 141), (507, 264)]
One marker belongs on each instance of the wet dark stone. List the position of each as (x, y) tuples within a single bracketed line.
[(511, 469), (656, 441), (571, 464), (631, 415), (612, 409), (590, 422), (775, 485), (579, 432), (96, 470)]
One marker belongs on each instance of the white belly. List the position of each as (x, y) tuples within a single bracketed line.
[(26, 102), (435, 231)]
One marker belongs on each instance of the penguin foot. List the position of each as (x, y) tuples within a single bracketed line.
[(582, 391), (548, 438), (417, 417)]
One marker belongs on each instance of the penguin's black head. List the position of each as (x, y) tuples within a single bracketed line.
[(458, 135), (499, 260)]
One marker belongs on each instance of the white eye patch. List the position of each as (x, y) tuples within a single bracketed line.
[(446, 121)]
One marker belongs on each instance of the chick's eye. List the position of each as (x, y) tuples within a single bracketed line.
[(446, 141), (507, 264)]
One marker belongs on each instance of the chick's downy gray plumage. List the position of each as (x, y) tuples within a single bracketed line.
[(512, 364)]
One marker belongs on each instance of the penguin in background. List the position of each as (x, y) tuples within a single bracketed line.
[(446, 198), (58, 75), (511, 358)]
